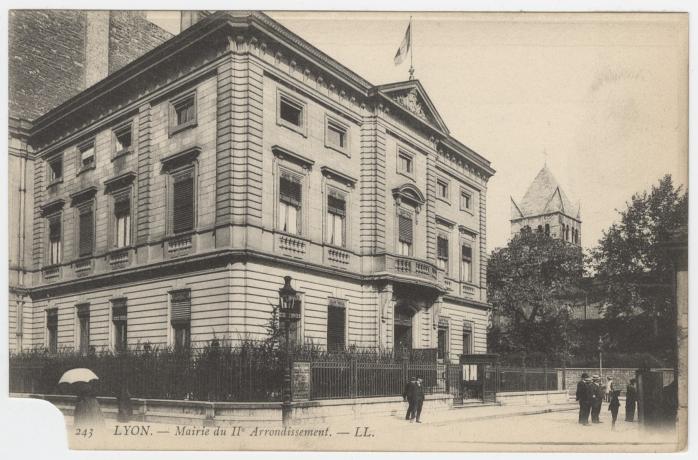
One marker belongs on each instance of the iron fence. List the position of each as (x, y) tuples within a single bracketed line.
[(338, 379), (200, 374), (511, 379)]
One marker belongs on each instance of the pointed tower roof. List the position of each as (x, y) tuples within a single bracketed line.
[(545, 196)]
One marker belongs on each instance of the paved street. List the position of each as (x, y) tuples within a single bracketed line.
[(496, 428)]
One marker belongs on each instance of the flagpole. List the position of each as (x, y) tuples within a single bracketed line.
[(411, 48)]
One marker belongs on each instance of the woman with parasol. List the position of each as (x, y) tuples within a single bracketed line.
[(87, 411)]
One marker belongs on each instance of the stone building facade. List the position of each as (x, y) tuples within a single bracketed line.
[(53, 55), (167, 208), (545, 207)]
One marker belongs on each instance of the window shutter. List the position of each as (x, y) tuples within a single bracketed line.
[(183, 203), (118, 310), (336, 325), (83, 310), (180, 302), (290, 190), (467, 253), (122, 206), (54, 228), (442, 248), (86, 231), (405, 229), (336, 204), (52, 317)]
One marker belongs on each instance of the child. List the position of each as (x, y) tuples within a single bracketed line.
[(613, 407)]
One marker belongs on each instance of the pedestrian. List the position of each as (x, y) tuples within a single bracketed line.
[(596, 398), (613, 406), (630, 400), (418, 399), (408, 395), (609, 388), (584, 398), (87, 412)]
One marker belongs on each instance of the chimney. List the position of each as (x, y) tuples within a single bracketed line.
[(96, 46)]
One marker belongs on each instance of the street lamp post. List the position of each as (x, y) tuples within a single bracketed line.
[(287, 314)]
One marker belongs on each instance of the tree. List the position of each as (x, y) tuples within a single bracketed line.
[(634, 270), (530, 283)]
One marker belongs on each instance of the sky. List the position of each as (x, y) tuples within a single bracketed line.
[(602, 98)]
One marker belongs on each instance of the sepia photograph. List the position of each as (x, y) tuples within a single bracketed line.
[(415, 231)]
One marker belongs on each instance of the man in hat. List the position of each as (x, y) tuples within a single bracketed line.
[(418, 399), (408, 395), (584, 398), (596, 398), (630, 400)]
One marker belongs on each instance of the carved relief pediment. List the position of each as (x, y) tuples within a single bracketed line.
[(412, 102)]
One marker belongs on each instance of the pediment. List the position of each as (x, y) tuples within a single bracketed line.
[(409, 193), (411, 96)]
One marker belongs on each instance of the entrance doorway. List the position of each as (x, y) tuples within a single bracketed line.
[(402, 334)]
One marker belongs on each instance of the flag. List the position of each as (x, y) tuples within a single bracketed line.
[(404, 46)]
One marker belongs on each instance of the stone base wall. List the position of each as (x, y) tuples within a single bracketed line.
[(532, 397), (621, 376)]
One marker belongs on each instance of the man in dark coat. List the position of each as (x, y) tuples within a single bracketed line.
[(630, 400), (613, 406), (597, 398), (584, 399), (408, 395), (418, 399)]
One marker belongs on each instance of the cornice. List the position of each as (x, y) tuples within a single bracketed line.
[(119, 181), (337, 175), (286, 154)]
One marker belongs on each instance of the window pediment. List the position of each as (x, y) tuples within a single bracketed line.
[(409, 193), (181, 158)]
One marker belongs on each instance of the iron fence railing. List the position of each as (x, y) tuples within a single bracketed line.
[(511, 379), (361, 379)]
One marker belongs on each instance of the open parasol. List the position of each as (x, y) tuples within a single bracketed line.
[(79, 374)]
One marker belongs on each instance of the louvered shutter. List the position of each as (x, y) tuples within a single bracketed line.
[(442, 248), (467, 253), (118, 310), (336, 203), (180, 302), (86, 231), (83, 310), (122, 205), (54, 228), (405, 229), (336, 325), (183, 203), (290, 190), (52, 318)]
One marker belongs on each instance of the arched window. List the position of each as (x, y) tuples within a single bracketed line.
[(547, 229)]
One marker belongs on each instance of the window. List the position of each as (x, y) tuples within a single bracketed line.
[(52, 330), (466, 270), (540, 229), (466, 201), (182, 215), (294, 333), (85, 230), (54, 239), (336, 135), (336, 218), (122, 219), (547, 229), (442, 252), (183, 113), (467, 338), (291, 112), (404, 235), (118, 319), (336, 325), (442, 189), (442, 342), (122, 139), (180, 318), (55, 169), (83, 328), (87, 155), (405, 165), (290, 203)]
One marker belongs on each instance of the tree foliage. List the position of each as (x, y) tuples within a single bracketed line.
[(634, 269), (530, 283)]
